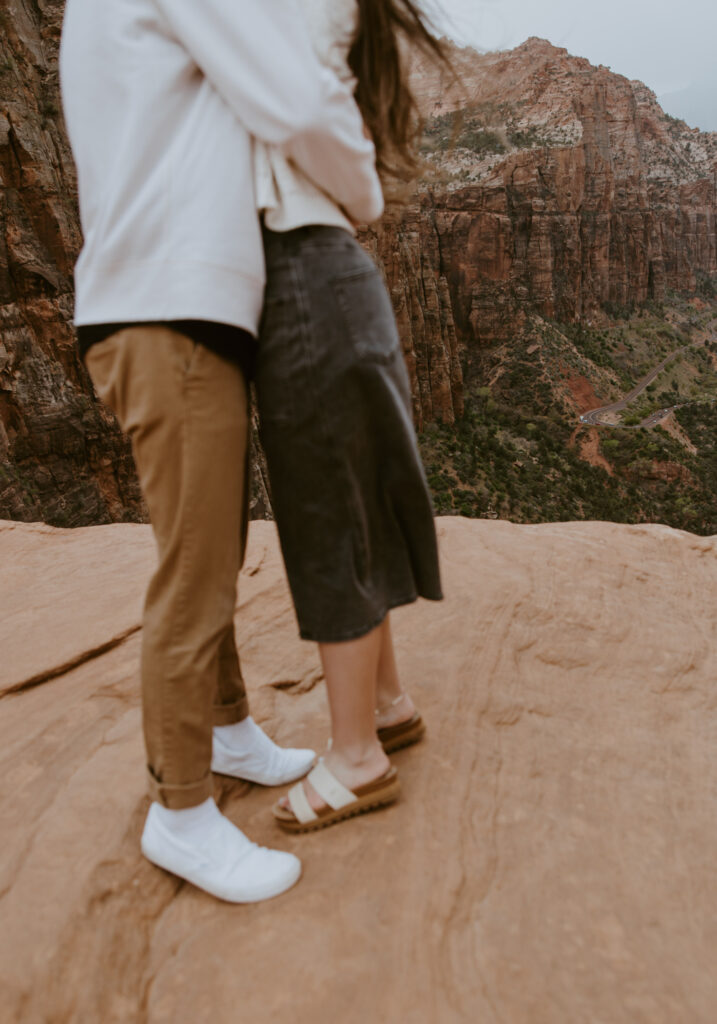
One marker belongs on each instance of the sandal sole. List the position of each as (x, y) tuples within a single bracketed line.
[(371, 802), (407, 738)]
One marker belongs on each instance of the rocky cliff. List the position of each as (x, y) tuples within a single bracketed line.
[(62, 457), (551, 859), (552, 187), (557, 187)]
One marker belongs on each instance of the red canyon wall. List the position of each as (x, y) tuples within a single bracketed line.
[(562, 187), (598, 197), (62, 457)]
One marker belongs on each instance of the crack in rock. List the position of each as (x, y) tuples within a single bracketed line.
[(73, 663), (296, 687)]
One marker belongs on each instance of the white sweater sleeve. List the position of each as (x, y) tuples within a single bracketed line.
[(258, 55)]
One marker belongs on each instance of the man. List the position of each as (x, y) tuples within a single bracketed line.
[(161, 99)]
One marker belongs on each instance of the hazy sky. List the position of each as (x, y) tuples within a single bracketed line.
[(671, 46)]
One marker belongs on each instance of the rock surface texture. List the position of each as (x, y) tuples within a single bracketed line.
[(565, 188), (62, 456), (551, 859), (558, 187)]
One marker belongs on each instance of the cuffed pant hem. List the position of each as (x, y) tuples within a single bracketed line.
[(176, 798), (228, 714)]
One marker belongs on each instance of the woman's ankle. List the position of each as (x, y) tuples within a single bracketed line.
[(357, 755), (388, 699), (391, 712)]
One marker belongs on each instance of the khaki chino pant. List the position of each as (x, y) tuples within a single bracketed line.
[(185, 410)]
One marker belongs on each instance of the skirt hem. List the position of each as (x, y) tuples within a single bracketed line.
[(354, 634)]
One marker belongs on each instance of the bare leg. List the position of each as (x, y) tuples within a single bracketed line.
[(356, 756), (393, 705)]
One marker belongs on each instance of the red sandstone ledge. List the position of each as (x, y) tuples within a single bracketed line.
[(551, 859)]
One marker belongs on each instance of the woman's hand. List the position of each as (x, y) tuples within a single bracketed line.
[(347, 215)]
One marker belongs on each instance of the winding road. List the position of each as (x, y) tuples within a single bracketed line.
[(595, 416)]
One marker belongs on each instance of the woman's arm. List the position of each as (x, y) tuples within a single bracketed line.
[(257, 54)]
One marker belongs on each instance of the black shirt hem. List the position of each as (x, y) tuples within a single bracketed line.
[(230, 342)]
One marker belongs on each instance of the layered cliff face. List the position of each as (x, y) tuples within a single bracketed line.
[(573, 219), (561, 188), (553, 188), (408, 246), (62, 457)]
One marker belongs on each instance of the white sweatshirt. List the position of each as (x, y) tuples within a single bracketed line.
[(161, 99), (287, 198)]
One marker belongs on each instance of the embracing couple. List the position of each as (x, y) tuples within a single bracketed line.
[(225, 153)]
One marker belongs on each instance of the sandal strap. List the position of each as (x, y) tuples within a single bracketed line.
[(300, 806), (331, 791)]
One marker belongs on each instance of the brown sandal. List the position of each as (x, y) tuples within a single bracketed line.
[(341, 803), (394, 737)]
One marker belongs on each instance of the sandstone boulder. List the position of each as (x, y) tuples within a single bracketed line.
[(551, 860)]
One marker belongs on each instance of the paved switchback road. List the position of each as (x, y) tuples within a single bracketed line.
[(595, 417)]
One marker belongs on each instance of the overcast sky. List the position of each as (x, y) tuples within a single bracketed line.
[(669, 45)]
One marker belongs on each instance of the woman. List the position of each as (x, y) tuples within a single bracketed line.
[(349, 492)]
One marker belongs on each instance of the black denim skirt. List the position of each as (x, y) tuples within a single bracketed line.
[(348, 488)]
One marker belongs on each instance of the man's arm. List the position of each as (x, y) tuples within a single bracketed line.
[(257, 54)]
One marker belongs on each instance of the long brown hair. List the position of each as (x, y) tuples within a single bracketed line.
[(387, 29)]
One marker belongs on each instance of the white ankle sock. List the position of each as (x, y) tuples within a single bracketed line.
[(244, 751), (240, 735), (191, 823)]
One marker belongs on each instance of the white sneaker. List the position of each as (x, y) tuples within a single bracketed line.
[(244, 751), (223, 862)]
